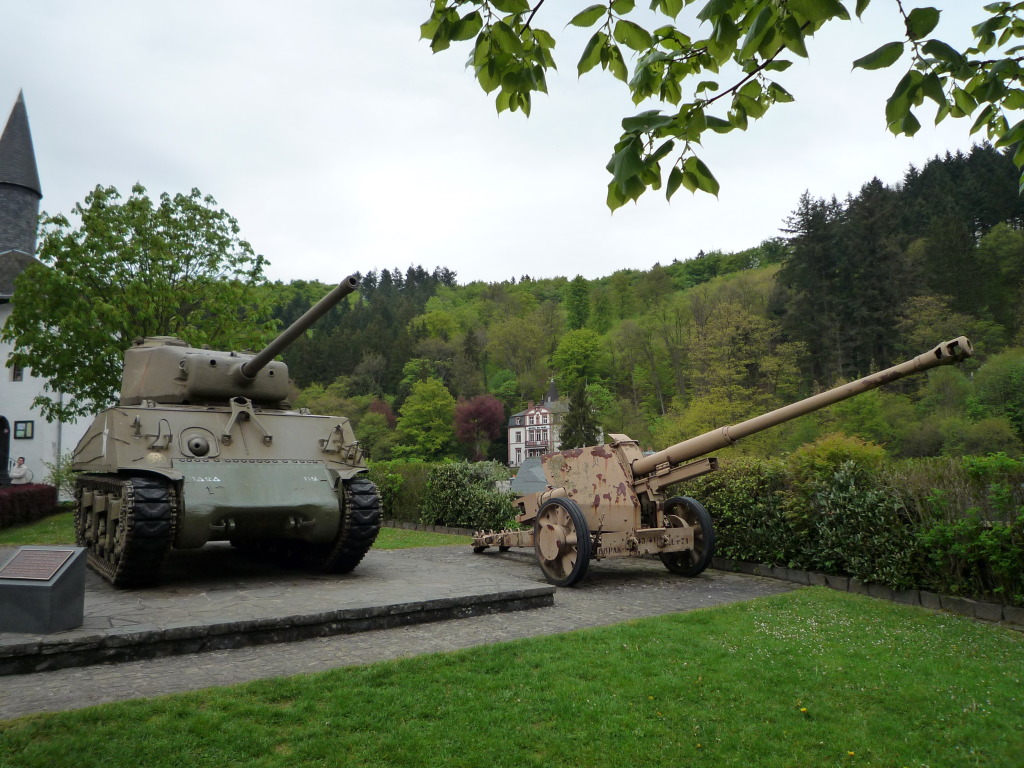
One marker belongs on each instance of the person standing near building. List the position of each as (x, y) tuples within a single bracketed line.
[(20, 474)]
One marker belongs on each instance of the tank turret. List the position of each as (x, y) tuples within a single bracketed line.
[(202, 447), (164, 369)]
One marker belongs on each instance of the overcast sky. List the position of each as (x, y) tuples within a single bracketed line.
[(340, 143)]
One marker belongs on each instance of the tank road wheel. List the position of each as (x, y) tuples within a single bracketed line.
[(561, 540), (126, 525), (360, 522), (680, 510)]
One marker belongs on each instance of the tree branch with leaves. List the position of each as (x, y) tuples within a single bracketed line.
[(743, 43)]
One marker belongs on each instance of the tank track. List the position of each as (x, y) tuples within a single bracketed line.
[(360, 523), (133, 553)]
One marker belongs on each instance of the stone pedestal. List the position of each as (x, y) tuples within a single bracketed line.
[(42, 590)]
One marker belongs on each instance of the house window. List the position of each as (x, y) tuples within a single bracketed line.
[(23, 430), (17, 373), (519, 436)]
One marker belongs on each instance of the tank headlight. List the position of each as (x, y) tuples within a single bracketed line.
[(198, 446)]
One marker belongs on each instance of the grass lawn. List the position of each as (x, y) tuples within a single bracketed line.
[(809, 678), (59, 529), (55, 529)]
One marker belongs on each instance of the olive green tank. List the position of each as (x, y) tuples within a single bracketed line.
[(203, 447)]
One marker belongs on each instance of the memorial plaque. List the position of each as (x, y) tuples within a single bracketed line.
[(37, 564), (42, 590)]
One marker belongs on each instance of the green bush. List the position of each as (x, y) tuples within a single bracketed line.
[(963, 437), (814, 461), (860, 527), (746, 499), (62, 475), (402, 485), (969, 523), (462, 494), (951, 525), (975, 556)]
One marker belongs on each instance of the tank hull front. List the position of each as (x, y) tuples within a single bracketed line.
[(239, 472), (254, 499)]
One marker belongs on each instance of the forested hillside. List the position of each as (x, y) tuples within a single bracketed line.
[(853, 285)]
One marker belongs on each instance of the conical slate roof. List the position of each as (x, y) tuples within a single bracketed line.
[(17, 158), (12, 264)]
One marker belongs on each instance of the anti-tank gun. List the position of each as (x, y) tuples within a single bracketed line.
[(202, 446), (612, 500)]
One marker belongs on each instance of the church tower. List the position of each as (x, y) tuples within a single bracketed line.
[(19, 185), (19, 212)]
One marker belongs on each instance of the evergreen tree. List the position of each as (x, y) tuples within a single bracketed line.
[(580, 427), (577, 303), (814, 276)]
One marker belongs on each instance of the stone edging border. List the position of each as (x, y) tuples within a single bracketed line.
[(428, 528), (1012, 616)]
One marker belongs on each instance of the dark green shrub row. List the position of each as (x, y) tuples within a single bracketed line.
[(402, 485), (463, 494), (950, 525), (20, 504), (459, 494)]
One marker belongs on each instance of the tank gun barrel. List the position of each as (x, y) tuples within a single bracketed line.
[(253, 366), (946, 353)]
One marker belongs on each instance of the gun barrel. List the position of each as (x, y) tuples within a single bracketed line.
[(946, 353), (253, 366)]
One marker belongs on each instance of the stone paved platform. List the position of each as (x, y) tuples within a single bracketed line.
[(218, 598), (614, 591)]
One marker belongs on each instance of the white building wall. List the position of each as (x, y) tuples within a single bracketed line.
[(531, 433), (47, 440)]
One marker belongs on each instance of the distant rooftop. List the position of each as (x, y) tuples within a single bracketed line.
[(530, 477)]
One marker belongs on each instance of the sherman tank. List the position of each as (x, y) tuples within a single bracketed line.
[(613, 501), (202, 446)]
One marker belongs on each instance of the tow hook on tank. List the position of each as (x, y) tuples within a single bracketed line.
[(241, 410), (227, 525), (295, 521)]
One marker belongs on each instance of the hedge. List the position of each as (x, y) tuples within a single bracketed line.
[(20, 504), (459, 494), (402, 485), (954, 526)]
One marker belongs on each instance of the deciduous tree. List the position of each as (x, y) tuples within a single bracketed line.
[(425, 428), (131, 267), (478, 421), (577, 303)]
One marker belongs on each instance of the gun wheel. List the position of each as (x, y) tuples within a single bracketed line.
[(561, 540), (682, 510)]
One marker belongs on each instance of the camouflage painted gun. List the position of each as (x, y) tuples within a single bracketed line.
[(610, 500)]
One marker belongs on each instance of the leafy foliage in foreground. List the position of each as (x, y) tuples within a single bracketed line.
[(812, 677), (717, 70)]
